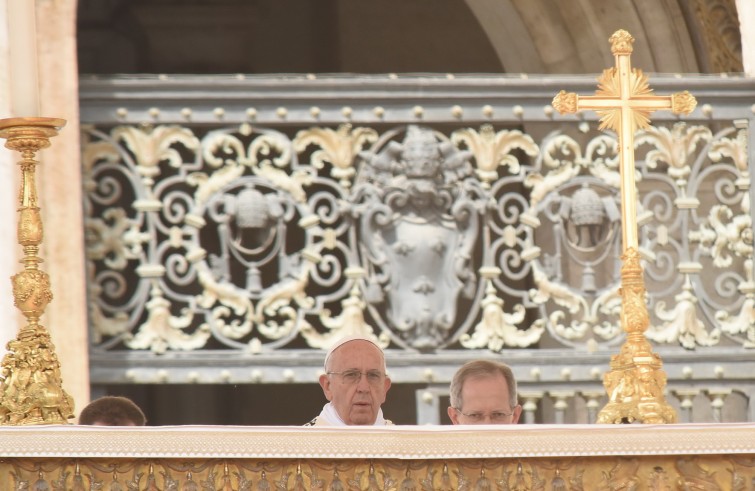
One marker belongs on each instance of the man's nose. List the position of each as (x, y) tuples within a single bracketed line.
[(363, 385)]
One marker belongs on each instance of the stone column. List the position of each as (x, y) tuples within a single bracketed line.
[(10, 317), (60, 194), (746, 13)]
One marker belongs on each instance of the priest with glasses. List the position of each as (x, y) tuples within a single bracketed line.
[(484, 392), (354, 383)]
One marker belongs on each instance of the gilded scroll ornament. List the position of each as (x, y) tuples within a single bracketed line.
[(604, 473)]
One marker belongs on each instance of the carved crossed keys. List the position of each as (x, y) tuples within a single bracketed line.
[(624, 101)]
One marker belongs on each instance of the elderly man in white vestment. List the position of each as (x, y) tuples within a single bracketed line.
[(355, 384)]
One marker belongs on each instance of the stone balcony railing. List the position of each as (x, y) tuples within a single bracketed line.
[(229, 223)]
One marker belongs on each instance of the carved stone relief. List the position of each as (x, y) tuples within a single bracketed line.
[(255, 239), (719, 29)]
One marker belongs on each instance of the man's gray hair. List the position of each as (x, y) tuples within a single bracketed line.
[(482, 368)]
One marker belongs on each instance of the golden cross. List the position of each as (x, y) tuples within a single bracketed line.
[(624, 102)]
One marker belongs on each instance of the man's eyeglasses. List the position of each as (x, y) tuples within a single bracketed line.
[(352, 377), (495, 416)]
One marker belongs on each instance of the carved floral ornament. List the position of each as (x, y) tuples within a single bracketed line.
[(253, 239), (606, 473)]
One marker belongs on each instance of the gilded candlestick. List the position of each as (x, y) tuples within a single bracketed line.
[(31, 390)]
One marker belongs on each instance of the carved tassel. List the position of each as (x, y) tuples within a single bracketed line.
[(445, 479), (226, 479), (115, 485), (408, 483), (41, 484), (264, 484), (299, 480), (336, 484), (483, 483), (558, 483), (189, 485)]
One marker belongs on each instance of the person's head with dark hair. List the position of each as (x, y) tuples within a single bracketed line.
[(112, 411)]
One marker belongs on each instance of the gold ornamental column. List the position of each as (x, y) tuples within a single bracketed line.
[(624, 101), (31, 389)]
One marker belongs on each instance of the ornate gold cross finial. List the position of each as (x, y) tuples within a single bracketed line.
[(624, 101)]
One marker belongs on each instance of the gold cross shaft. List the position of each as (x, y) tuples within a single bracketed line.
[(624, 102)]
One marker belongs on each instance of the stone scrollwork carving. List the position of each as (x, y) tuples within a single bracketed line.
[(247, 238), (574, 218), (682, 322), (725, 235), (673, 147), (496, 328), (492, 149), (338, 148), (722, 235), (350, 322)]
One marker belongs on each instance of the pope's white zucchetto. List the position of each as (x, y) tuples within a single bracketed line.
[(345, 340)]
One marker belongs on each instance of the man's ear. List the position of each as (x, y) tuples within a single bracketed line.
[(517, 414), (453, 415), (325, 384)]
